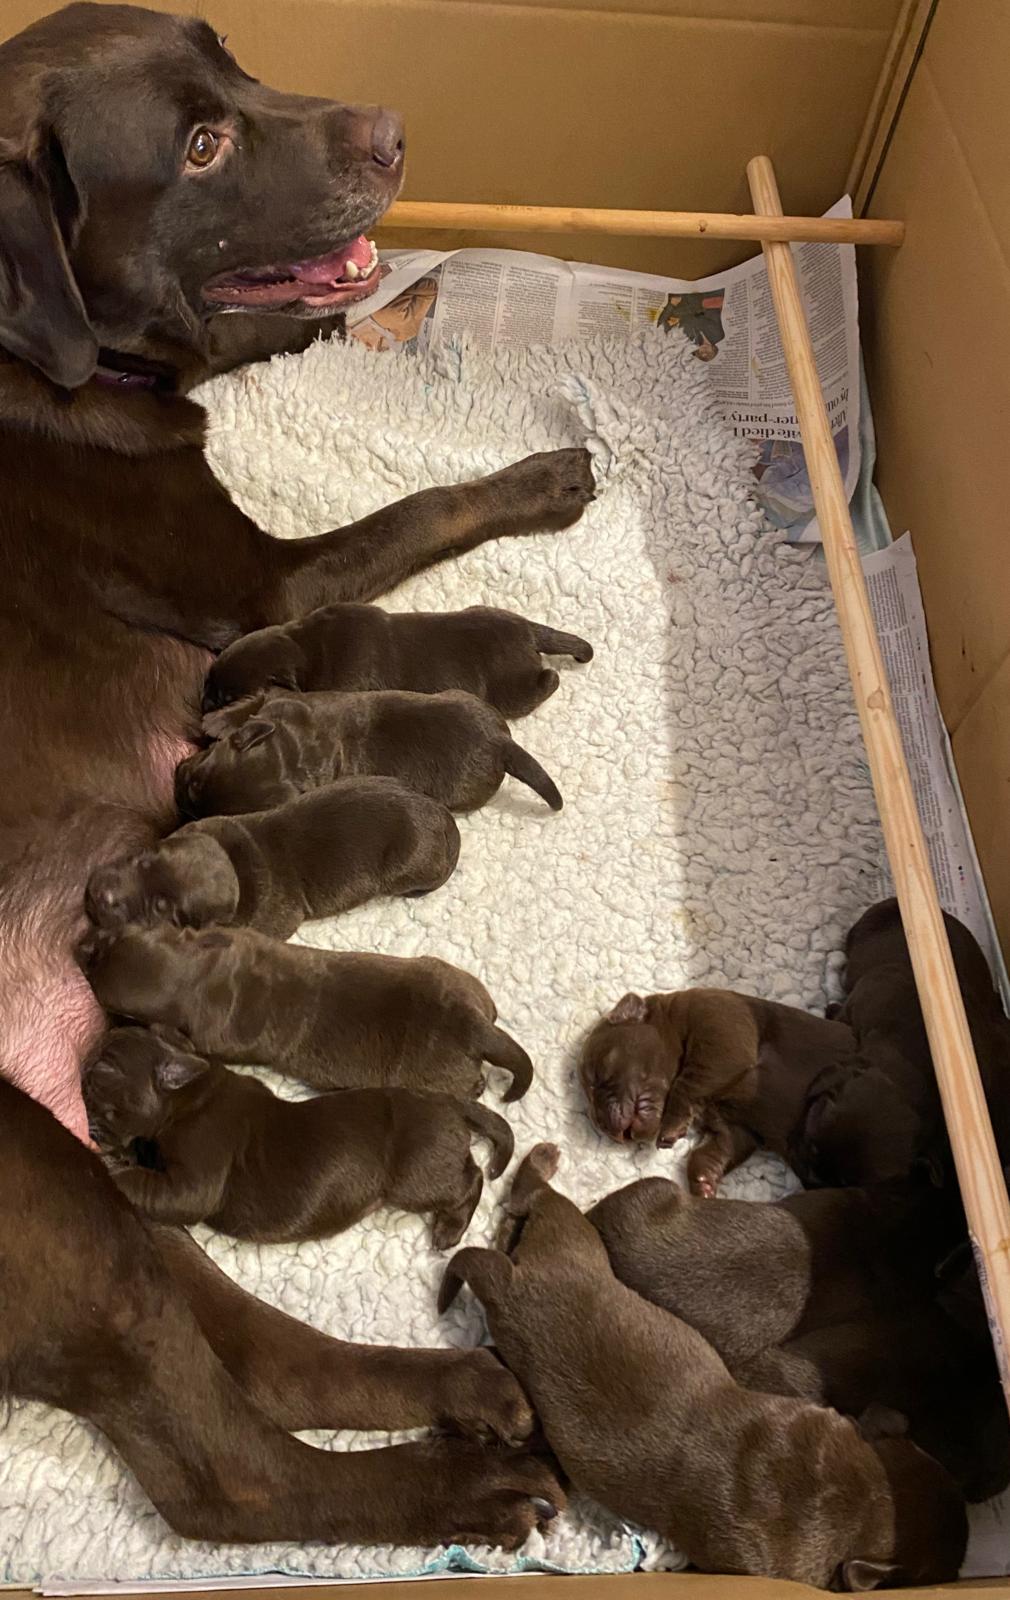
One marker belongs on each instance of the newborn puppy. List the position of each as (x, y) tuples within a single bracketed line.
[(878, 1121), (834, 1295), (334, 1020), (231, 1153), (643, 1415), (451, 746), (748, 1275), (490, 653), (317, 856), (738, 1067)]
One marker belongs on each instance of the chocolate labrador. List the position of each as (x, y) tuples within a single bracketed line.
[(147, 184), (334, 1019), (491, 653), (850, 1297), (644, 1416), (882, 1119), (229, 1152), (737, 1067), (266, 749), (317, 856), (748, 1275)]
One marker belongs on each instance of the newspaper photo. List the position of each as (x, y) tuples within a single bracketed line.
[(509, 297)]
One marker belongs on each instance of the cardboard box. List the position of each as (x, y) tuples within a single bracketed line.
[(904, 102)]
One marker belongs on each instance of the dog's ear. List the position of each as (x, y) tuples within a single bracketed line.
[(42, 315), (631, 1008), (252, 733), (856, 1577), (177, 1070)]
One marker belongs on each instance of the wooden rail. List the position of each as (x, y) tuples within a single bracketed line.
[(983, 1188), (460, 217)]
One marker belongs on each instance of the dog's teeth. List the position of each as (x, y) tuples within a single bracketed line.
[(351, 270)]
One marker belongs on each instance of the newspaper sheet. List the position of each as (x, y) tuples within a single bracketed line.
[(508, 297), (893, 584)]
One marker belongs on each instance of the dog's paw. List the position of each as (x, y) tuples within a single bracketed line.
[(551, 490), (484, 1401), (506, 1497)]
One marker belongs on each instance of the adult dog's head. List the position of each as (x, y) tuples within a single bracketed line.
[(147, 182)]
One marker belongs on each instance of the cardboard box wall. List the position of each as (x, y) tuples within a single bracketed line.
[(659, 104)]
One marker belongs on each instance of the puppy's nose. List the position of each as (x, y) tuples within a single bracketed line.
[(387, 138)]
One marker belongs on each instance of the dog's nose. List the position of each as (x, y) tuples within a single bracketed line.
[(387, 138)]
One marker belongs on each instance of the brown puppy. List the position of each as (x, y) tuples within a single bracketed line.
[(644, 1416), (748, 1276), (493, 654), (231, 1153), (841, 1296), (737, 1066), (880, 1120), (451, 746), (317, 856), (334, 1020)]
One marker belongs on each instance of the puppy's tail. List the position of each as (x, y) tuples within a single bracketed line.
[(495, 1129), (501, 1051), (520, 764), (550, 642), (488, 1273)]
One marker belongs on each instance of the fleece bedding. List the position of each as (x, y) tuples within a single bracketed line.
[(719, 828)]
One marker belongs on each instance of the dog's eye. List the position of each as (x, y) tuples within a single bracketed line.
[(203, 148)]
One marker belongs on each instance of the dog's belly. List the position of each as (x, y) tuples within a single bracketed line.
[(94, 764)]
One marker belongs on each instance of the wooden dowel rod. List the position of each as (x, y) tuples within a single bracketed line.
[(460, 217), (980, 1176)]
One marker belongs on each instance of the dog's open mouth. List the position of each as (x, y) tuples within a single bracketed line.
[(336, 279)]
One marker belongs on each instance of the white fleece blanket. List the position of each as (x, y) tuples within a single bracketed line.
[(718, 828)]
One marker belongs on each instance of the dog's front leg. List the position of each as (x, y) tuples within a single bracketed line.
[(301, 1378), (540, 494)]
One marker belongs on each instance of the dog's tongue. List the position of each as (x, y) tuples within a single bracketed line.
[(329, 269)]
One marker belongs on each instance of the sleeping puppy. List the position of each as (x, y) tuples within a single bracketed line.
[(234, 1155), (490, 653), (748, 1275), (737, 1067), (878, 1121), (644, 1416), (451, 746), (333, 1019), (842, 1296), (316, 856)]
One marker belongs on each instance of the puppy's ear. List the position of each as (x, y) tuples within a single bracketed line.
[(177, 1070), (856, 1577), (42, 315), (632, 1008), (252, 733)]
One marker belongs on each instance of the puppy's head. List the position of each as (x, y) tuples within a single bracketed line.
[(155, 974), (131, 1085), (188, 881), (270, 659), (625, 1071), (216, 781)]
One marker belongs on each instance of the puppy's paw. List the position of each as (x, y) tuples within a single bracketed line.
[(483, 1400), (551, 490)]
